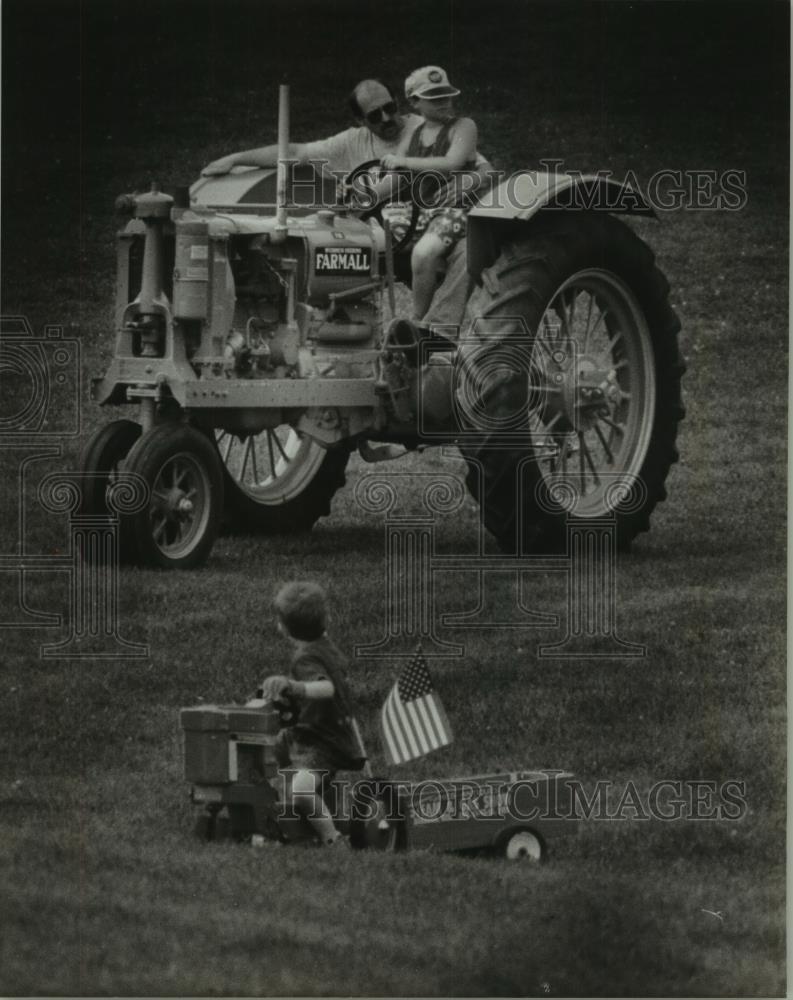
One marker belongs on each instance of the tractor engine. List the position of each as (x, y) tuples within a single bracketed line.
[(254, 301)]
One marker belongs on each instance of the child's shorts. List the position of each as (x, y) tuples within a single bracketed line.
[(448, 223)]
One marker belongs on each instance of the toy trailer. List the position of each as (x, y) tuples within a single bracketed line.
[(515, 813)]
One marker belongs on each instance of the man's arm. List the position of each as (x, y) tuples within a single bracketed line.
[(262, 156)]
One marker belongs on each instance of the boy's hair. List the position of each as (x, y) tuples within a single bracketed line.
[(302, 607)]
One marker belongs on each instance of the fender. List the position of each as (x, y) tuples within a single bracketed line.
[(522, 196)]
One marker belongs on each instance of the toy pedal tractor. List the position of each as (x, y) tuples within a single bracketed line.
[(253, 345), (230, 759)]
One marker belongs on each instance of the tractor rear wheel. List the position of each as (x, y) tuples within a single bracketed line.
[(569, 382), (177, 527), (278, 481)]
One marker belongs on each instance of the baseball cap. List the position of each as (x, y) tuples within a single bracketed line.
[(429, 82)]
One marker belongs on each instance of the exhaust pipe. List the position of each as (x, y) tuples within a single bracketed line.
[(279, 233)]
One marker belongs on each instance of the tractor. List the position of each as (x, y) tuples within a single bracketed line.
[(251, 333)]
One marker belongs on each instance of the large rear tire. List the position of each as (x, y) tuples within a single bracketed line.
[(278, 481), (570, 371)]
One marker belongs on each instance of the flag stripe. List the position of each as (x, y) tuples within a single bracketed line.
[(424, 706), (392, 752), (440, 720), (401, 751), (410, 737), (416, 722), (395, 717)]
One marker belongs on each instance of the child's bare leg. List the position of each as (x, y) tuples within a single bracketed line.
[(307, 799), (426, 256)]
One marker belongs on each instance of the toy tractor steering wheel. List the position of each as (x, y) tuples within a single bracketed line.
[(401, 233)]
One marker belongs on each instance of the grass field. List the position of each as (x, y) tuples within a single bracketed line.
[(106, 891)]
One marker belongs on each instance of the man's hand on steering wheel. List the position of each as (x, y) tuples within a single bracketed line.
[(375, 205)]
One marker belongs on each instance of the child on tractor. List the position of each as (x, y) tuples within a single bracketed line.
[(443, 148), (324, 738)]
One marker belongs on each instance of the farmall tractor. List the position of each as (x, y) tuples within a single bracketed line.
[(252, 338)]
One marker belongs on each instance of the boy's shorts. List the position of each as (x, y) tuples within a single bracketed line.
[(448, 223)]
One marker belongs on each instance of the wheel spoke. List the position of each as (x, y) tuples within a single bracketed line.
[(270, 450), (160, 529), (606, 448), (571, 315), (602, 313), (617, 427), (229, 446), (248, 446), (590, 463), (588, 322), (549, 425), (280, 447), (253, 462)]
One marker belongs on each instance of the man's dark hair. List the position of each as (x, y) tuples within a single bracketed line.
[(352, 100)]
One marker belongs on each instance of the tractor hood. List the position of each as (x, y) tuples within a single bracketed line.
[(256, 186)]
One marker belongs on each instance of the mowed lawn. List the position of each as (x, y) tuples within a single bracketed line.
[(105, 889)]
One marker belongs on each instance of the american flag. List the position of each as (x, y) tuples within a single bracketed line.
[(413, 721)]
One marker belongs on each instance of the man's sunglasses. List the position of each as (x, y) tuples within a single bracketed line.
[(383, 113)]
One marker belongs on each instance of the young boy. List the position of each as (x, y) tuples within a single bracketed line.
[(441, 145), (324, 737)]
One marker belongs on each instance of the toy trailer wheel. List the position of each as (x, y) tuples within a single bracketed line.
[(177, 527), (278, 481), (523, 845), (377, 832)]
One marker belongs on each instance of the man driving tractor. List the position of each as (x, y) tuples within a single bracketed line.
[(380, 132)]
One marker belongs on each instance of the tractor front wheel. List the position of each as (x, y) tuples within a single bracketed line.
[(101, 461), (177, 527)]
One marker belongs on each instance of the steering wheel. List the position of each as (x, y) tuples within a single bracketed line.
[(401, 231)]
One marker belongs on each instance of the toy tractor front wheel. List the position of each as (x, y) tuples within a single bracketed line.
[(278, 481), (178, 525)]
